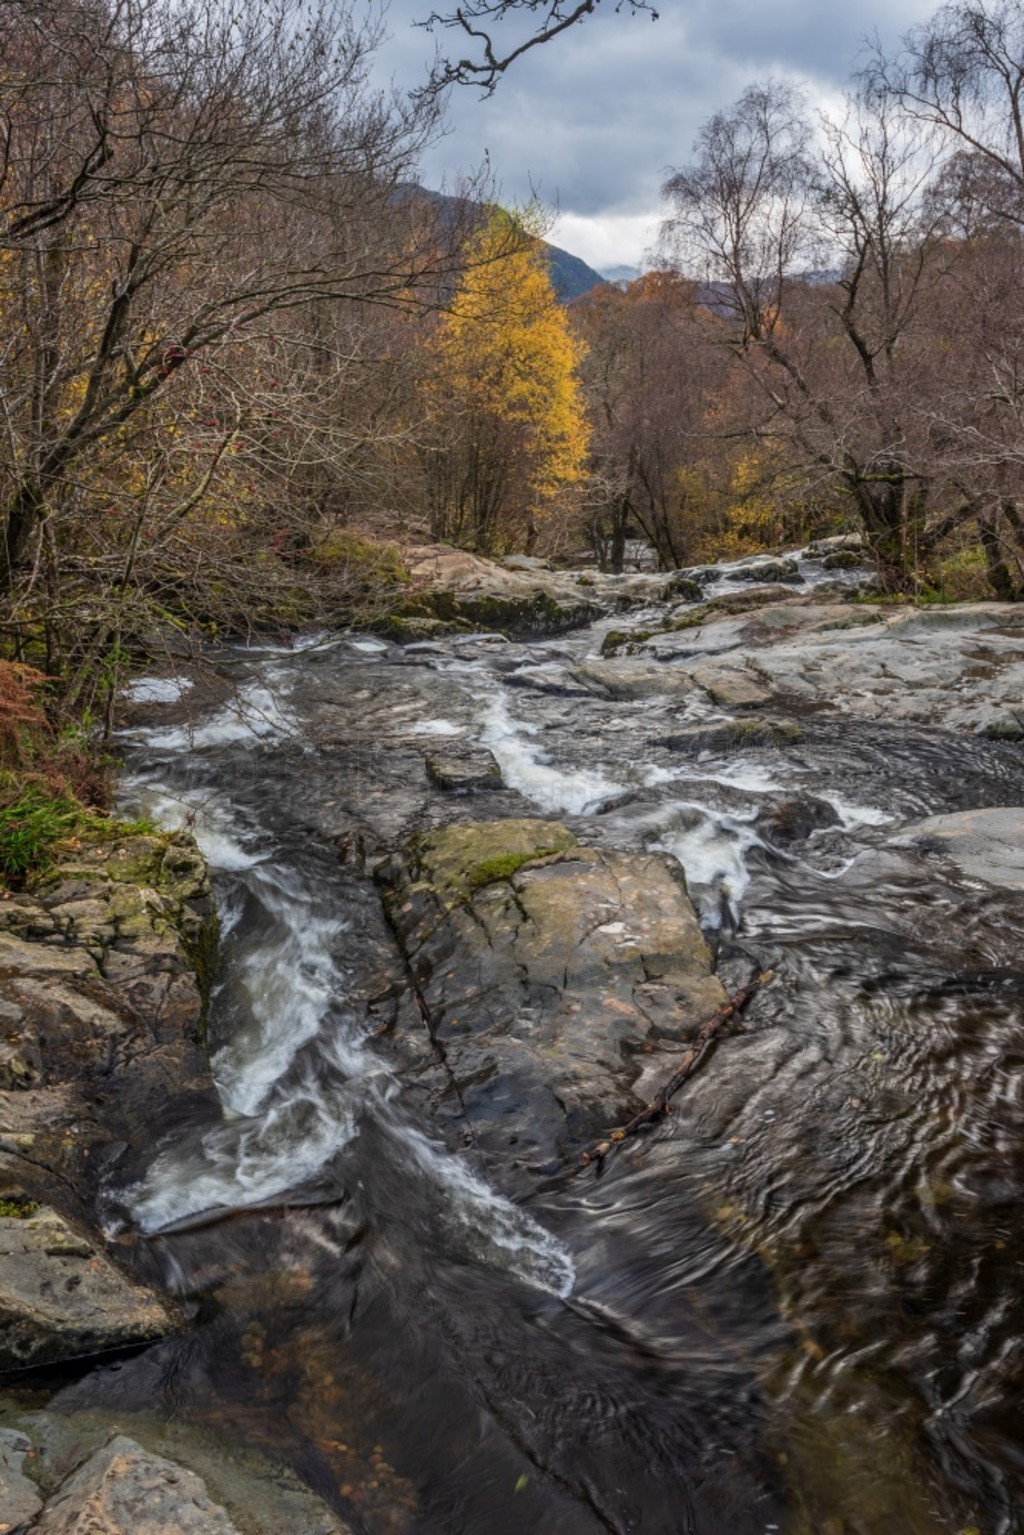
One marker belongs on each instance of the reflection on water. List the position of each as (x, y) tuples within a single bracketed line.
[(795, 1306)]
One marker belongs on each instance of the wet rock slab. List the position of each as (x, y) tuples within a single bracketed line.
[(962, 666), (60, 1298), (547, 973), (984, 844)]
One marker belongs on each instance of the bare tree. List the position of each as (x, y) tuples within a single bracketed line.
[(742, 211), (961, 75), (651, 378), (172, 176), (839, 357)]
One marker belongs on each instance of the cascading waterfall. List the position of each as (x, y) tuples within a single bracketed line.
[(295, 1073)]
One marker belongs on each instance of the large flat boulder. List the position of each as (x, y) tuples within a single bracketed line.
[(60, 1298), (547, 974)]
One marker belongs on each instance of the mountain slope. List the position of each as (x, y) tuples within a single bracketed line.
[(570, 277)]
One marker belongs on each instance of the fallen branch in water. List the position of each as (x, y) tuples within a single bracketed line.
[(660, 1104)]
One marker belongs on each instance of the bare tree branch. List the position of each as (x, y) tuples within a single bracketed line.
[(490, 27)]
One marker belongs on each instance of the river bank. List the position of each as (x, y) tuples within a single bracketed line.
[(476, 894)]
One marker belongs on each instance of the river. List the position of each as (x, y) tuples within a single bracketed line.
[(795, 1307)]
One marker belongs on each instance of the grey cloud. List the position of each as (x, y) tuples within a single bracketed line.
[(594, 119)]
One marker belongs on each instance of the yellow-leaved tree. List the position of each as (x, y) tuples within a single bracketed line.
[(508, 428)]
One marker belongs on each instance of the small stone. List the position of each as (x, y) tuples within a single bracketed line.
[(463, 775)]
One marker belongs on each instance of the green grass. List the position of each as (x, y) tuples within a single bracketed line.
[(32, 820), (35, 819)]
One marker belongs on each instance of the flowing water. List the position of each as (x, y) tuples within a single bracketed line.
[(794, 1307)]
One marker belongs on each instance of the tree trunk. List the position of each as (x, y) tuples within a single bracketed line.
[(881, 507), (617, 544), (23, 517), (999, 577)]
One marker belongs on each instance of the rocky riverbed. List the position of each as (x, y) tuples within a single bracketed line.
[(476, 895)]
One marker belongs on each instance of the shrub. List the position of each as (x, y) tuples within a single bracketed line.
[(23, 723)]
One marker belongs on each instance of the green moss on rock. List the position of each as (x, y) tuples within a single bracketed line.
[(411, 629), (691, 620), (201, 943), (684, 589), (148, 882), (518, 614), (617, 639), (458, 860)]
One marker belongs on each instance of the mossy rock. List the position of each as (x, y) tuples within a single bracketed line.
[(413, 630), (617, 639), (682, 588), (690, 620), (148, 882), (201, 943), (843, 559), (730, 734), (518, 615), (742, 601), (458, 860), (538, 614), (136, 861)]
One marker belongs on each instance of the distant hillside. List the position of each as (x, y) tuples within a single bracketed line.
[(570, 277), (620, 274)]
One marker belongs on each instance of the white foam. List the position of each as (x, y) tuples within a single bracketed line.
[(851, 816), (208, 821), (257, 712), (290, 982), (156, 690), (490, 1226), (435, 728), (753, 777), (712, 849), (523, 767), (248, 1161)]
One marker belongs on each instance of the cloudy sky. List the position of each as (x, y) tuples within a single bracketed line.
[(592, 121)]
